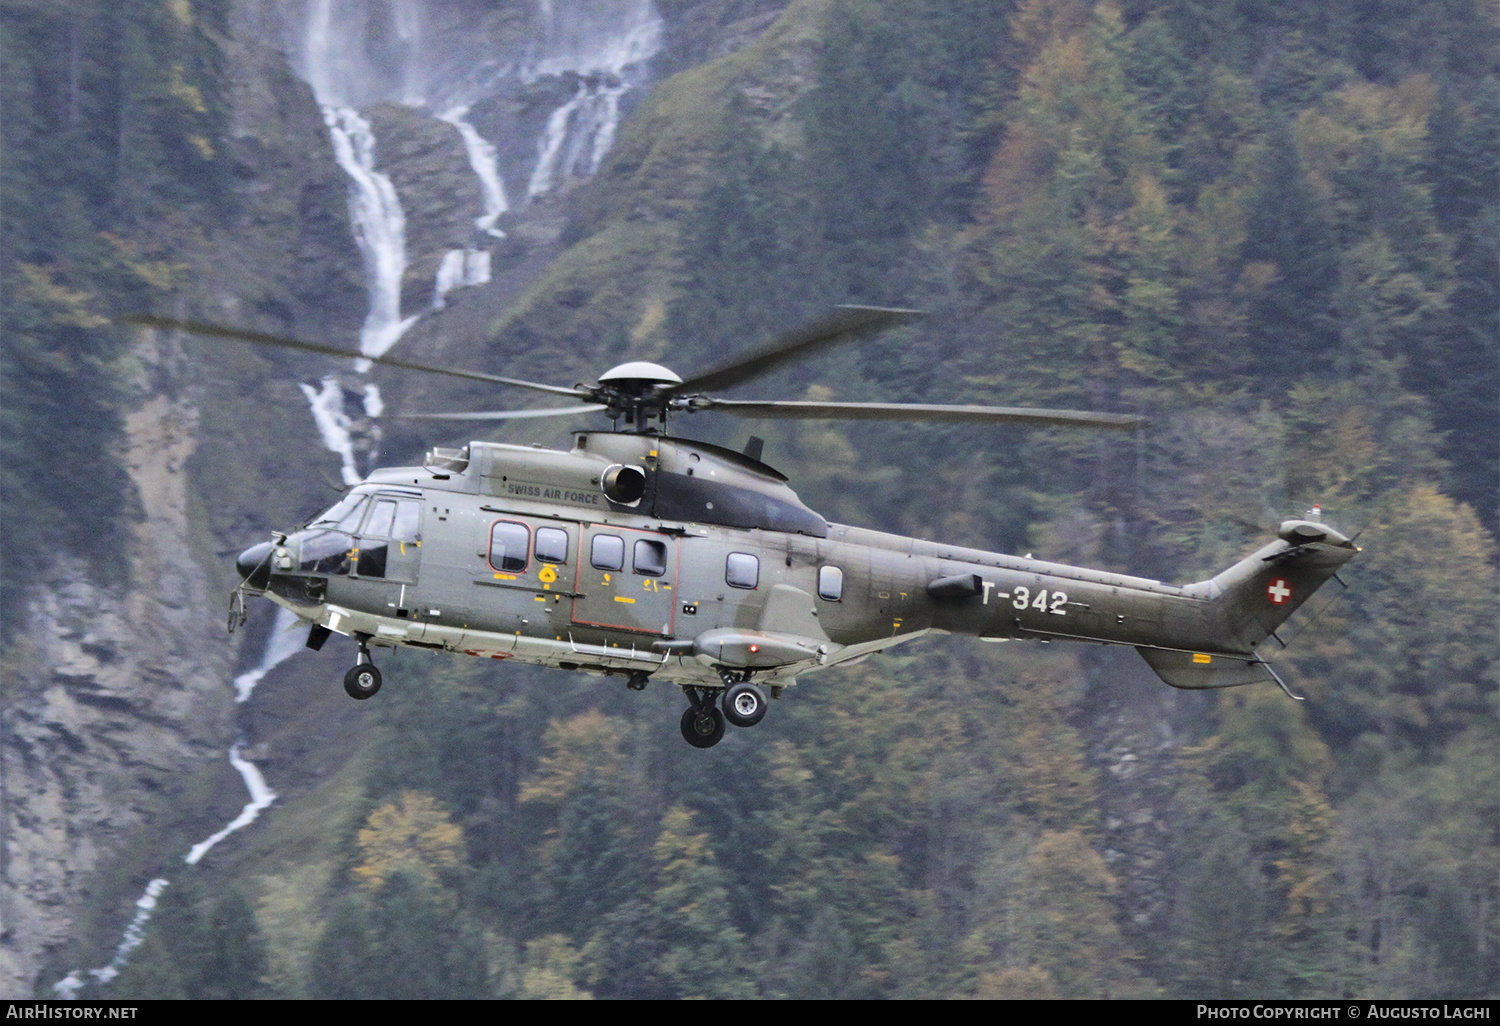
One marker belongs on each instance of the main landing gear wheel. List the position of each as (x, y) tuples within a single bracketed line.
[(702, 723), (362, 681), (702, 727), (744, 704)]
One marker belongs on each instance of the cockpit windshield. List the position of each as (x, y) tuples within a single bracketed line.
[(345, 514)]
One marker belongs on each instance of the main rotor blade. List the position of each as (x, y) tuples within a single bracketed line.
[(797, 410), (554, 411), (262, 339), (848, 323)]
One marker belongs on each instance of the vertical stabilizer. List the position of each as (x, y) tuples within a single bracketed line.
[(1251, 599)]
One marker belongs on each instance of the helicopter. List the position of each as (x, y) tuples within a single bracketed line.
[(644, 555)]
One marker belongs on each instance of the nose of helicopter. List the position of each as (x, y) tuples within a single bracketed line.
[(254, 565)]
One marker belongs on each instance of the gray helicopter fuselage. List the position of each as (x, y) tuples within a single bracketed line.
[(640, 554)]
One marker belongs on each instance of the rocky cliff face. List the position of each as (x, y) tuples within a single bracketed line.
[(117, 690)]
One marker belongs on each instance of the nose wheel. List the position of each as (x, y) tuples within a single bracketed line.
[(364, 680)]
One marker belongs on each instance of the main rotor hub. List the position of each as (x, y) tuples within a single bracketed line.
[(638, 391), (638, 377)]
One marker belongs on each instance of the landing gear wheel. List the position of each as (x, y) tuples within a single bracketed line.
[(744, 704), (702, 725), (362, 681)]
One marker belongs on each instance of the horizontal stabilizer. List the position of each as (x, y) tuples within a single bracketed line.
[(1196, 671)]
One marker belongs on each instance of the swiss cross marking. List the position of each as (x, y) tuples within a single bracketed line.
[(1278, 592)]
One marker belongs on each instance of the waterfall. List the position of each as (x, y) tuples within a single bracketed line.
[(280, 646), (379, 228), (460, 267), (260, 797), (599, 43), (335, 62), (334, 425), (68, 987), (484, 159), (585, 36), (357, 52)]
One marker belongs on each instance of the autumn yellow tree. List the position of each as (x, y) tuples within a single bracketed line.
[(413, 834)]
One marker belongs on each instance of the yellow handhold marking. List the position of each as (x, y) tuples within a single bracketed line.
[(622, 598), (540, 598), (1199, 657)]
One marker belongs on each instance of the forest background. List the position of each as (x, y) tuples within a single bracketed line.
[(1271, 228)]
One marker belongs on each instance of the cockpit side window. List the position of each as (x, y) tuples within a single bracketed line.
[(408, 524), (381, 518), (344, 515), (325, 552)]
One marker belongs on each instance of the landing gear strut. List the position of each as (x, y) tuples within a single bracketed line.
[(702, 723), (364, 680)]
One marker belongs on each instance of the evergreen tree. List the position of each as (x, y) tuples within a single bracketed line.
[(1291, 256)]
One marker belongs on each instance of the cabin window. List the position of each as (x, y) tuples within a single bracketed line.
[(830, 583), (650, 558), (608, 552), (551, 545), (742, 570), (509, 544)]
